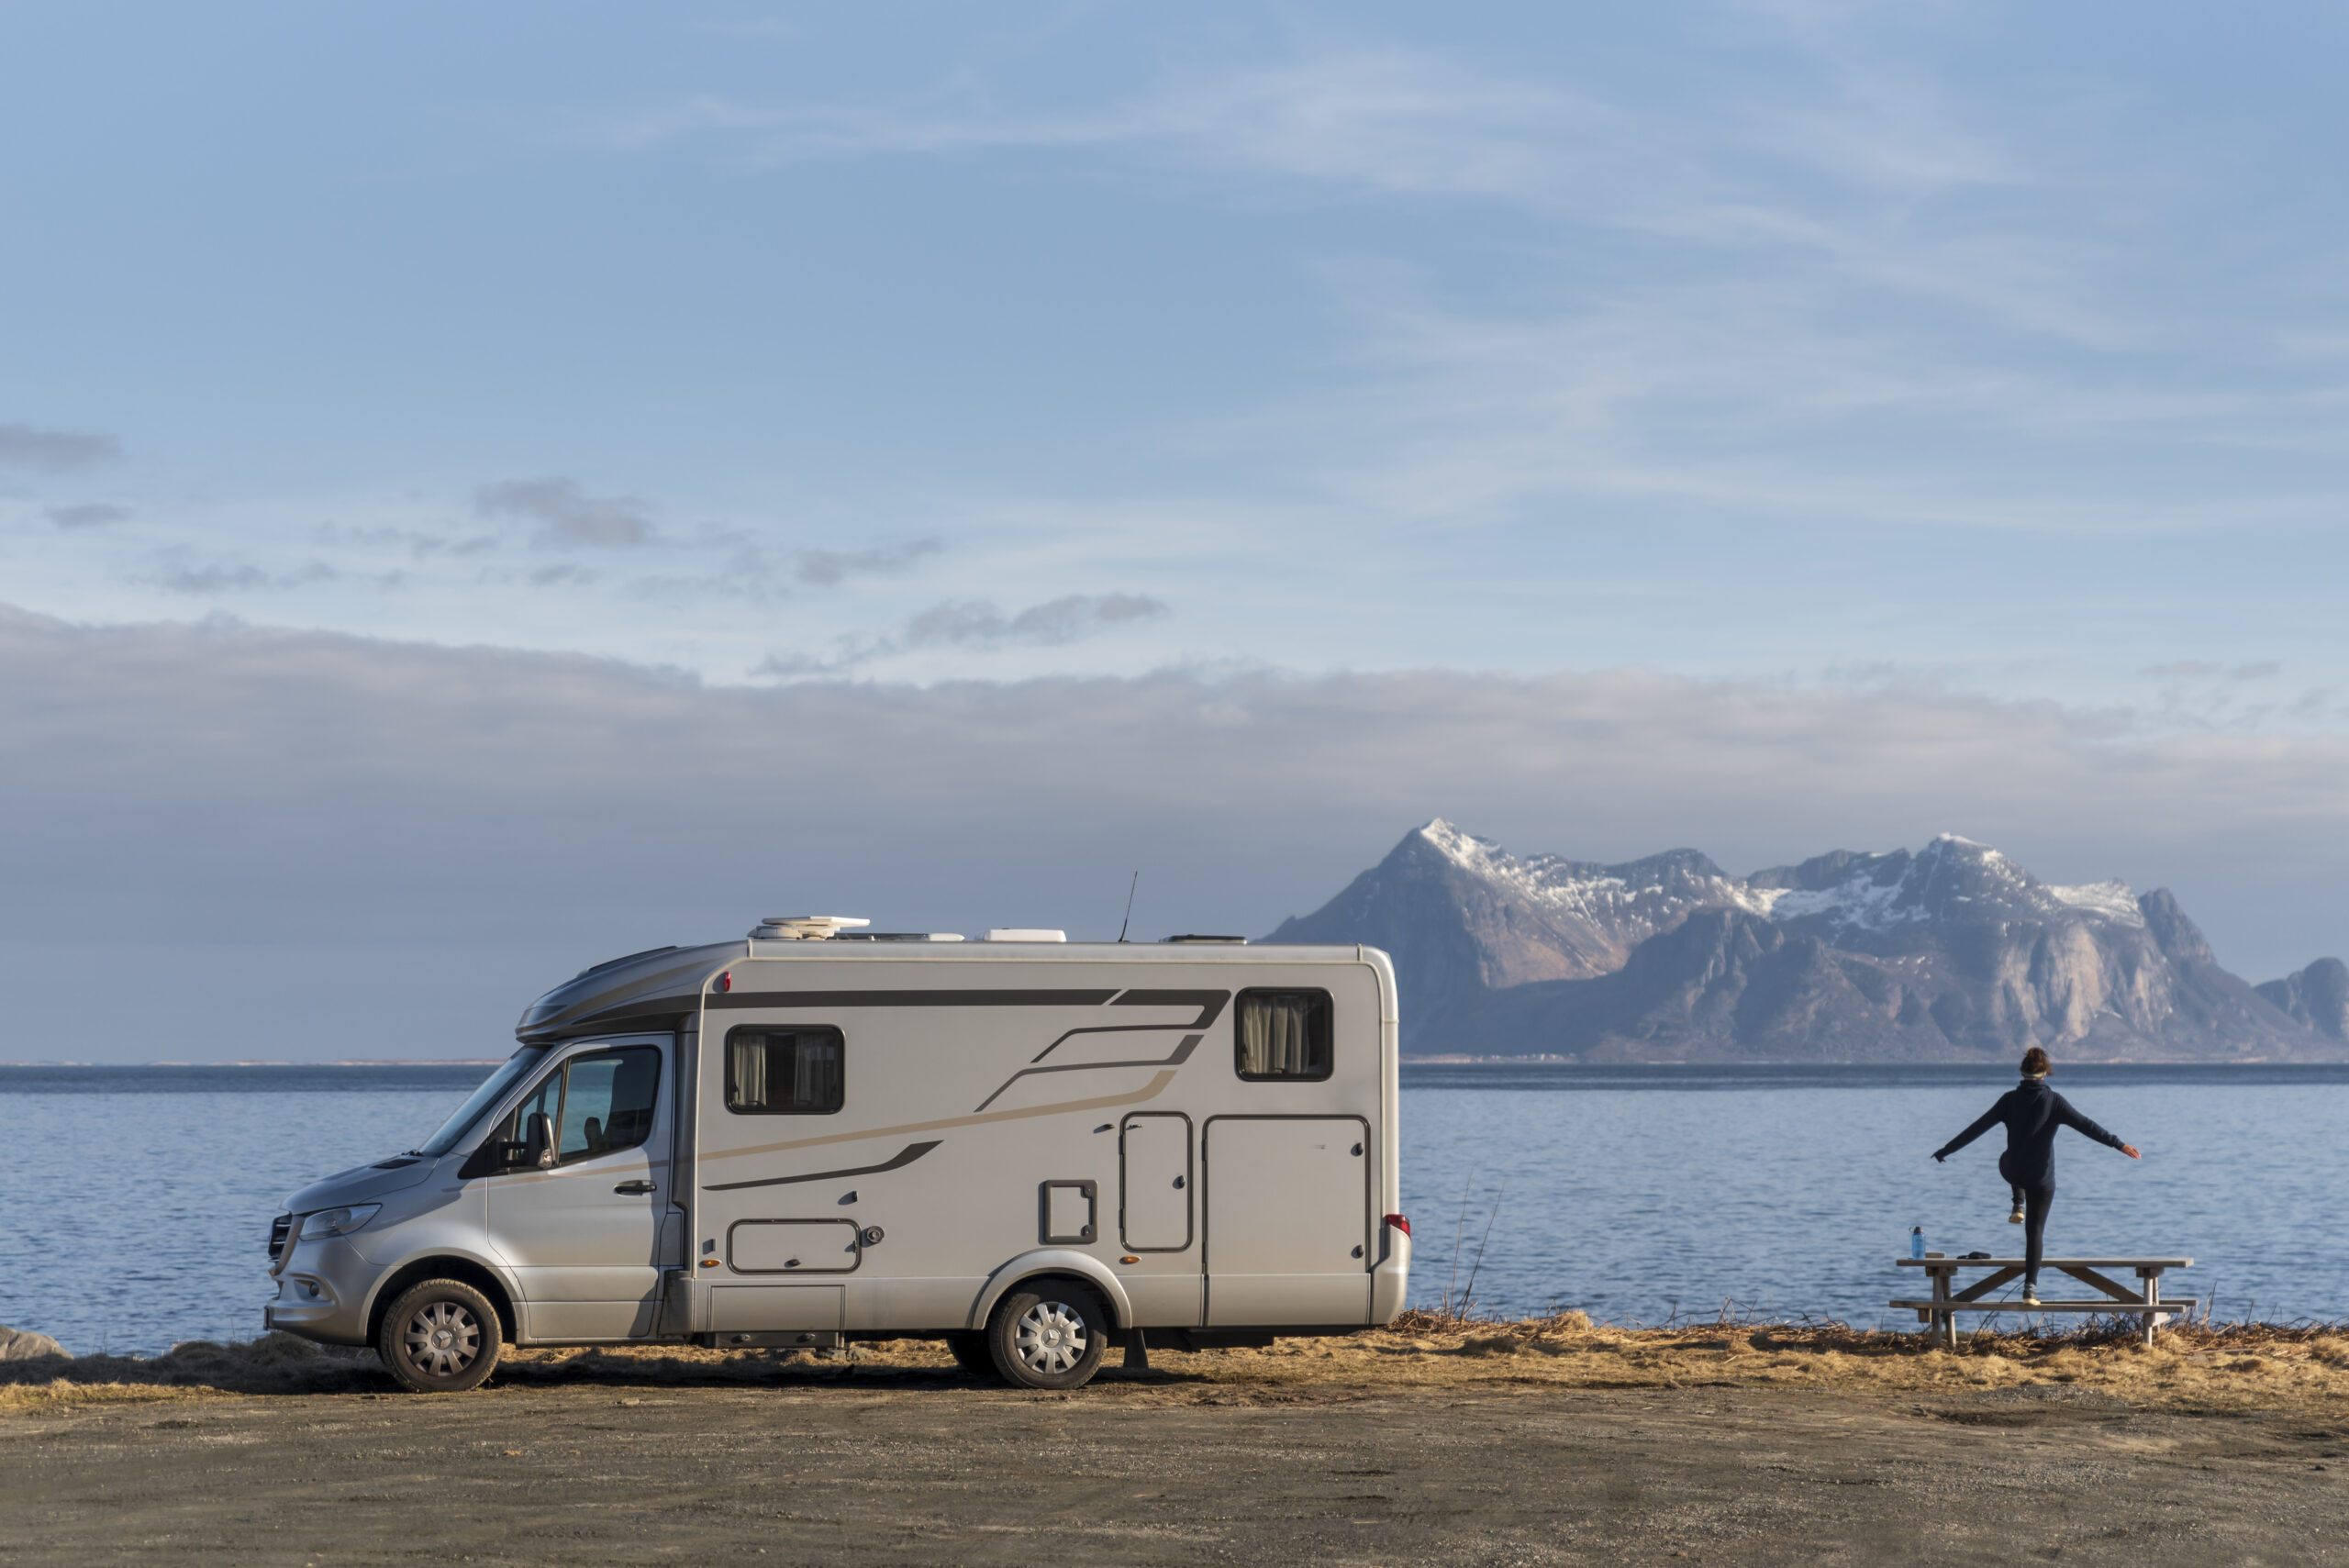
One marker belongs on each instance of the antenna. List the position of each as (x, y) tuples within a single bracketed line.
[(1129, 907)]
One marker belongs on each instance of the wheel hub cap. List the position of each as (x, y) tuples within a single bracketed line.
[(1049, 1338), (442, 1340)]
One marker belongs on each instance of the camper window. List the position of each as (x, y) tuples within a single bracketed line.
[(783, 1072), (1283, 1034)]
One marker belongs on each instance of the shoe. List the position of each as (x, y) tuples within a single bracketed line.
[(2031, 1296), (2015, 1219)]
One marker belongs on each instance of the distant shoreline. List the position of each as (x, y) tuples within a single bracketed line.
[(1811, 1065)]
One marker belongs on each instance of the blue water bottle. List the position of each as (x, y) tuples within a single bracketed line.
[(1917, 1243)]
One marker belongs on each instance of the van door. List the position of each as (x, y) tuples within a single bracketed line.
[(583, 1238), (1154, 1182), (1287, 1220), (1157, 1219)]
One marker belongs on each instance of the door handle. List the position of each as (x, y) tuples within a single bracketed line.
[(633, 1187)]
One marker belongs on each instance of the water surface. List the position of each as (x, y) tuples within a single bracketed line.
[(135, 1203), (1643, 1194)]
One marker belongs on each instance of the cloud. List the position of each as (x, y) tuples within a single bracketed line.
[(263, 786), (828, 568), (87, 515), (55, 452), (978, 626), (570, 516), (2201, 670), (756, 573), (216, 578), (1390, 118), (421, 544)]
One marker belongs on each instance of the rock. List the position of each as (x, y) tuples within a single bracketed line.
[(24, 1345)]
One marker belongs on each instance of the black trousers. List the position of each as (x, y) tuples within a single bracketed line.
[(2035, 1201)]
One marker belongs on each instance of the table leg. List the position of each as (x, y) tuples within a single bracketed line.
[(1944, 1323), (2150, 1283)]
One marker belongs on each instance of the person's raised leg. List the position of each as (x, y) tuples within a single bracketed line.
[(2036, 1202), (2015, 1214)]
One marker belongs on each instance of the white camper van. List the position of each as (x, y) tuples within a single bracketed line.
[(1032, 1148)]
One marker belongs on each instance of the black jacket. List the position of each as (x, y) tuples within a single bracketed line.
[(2033, 1112)]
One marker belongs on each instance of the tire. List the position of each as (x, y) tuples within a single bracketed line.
[(439, 1337), (970, 1352), (1049, 1334)]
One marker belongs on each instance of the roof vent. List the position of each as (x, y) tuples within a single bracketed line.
[(899, 937), (1016, 934), (804, 928)]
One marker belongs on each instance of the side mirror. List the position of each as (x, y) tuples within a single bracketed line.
[(538, 1147)]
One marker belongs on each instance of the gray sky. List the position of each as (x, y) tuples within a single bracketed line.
[(484, 489)]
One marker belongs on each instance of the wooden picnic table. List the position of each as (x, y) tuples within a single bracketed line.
[(2148, 1303)]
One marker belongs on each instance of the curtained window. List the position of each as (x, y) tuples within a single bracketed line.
[(783, 1072), (1283, 1034)]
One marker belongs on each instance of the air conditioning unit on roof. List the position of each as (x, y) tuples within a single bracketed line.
[(804, 928)]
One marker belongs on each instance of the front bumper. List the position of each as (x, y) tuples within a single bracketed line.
[(322, 1293)]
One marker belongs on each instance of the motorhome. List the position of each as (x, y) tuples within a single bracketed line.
[(1032, 1148)]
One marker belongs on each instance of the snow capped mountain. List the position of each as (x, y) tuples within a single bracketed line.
[(1840, 894), (1462, 916), (1953, 953)]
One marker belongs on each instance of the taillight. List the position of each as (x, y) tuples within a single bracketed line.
[(1400, 1223), (725, 981)]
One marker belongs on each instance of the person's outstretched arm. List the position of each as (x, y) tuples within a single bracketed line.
[(1989, 1119), (2086, 1128)]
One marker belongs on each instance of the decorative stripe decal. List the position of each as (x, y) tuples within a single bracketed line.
[(1150, 1091), (1182, 1054), (898, 1162), (908, 998), (1208, 1002)]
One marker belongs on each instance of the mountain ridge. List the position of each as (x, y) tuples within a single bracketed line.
[(1952, 952)]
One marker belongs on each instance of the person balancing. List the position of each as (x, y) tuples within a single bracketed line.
[(2032, 1113)]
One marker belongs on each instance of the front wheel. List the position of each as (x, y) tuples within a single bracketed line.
[(1049, 1334), (439, 1337)]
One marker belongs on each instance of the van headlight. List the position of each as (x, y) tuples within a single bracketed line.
[(338, 1221)]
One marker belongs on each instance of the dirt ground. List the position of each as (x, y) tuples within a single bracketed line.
[(1471, 1443)]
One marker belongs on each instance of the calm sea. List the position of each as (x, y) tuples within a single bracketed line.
[(135, 1203)]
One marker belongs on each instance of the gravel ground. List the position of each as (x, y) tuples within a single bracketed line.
[(593, 1460)]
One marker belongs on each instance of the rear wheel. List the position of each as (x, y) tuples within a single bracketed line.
[(970, 1353), (439, 1337), (1049, 1334)]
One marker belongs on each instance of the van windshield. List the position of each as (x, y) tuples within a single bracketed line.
[(493, 1088)]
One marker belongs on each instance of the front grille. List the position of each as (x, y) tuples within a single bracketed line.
[(277, 1229)]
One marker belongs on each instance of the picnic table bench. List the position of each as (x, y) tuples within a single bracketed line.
[(1946, 1302)]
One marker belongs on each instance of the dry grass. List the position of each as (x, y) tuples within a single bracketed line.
[(2191, 1366), (2227, 1367)]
